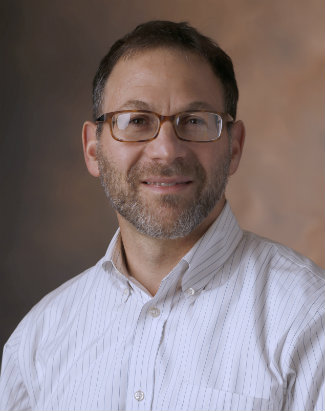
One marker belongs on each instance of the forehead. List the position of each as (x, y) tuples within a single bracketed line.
[(164, 79)]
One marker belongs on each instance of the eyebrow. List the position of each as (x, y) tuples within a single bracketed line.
[(200, 105), (142, 105), (135, 104)]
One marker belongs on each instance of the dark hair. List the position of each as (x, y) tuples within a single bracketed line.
[(154, 34)]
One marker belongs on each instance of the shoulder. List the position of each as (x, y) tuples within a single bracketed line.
[(57, 309), (65, 299), (285, 271), (44, 326), (281, 256)]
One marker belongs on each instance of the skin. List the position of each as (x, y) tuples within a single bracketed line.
[(165, 81)]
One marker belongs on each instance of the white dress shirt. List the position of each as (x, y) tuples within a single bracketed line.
[(238, 324)]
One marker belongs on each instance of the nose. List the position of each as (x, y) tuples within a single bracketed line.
[(166, 146)]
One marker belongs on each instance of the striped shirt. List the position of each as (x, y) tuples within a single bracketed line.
[(238, 324)]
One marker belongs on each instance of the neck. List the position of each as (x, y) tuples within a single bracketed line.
[(149, 259)]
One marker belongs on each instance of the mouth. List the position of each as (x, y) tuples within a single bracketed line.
[(167, 181), (158, 184), (167, 184)]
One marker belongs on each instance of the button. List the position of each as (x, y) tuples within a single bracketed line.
[(125, 294), (139, 395), (190, 291), (154, 312)]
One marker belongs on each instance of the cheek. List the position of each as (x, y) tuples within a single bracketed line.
[(208, 159), (122, 155), (214, 160)]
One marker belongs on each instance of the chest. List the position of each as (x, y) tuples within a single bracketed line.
[(206, 352)]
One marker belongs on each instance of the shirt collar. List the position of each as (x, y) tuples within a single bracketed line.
[(114, 257), (212, 250)]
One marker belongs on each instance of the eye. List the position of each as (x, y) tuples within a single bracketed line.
[(192, 120), (195, 121), (137, 121), (131, 120)]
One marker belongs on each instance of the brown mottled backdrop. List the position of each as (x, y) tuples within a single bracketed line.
[(55, 220)]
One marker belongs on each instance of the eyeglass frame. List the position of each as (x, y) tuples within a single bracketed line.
[(107, 118)]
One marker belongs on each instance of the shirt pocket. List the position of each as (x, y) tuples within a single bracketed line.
[(201, 398)]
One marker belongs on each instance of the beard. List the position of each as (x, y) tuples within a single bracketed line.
[(166, 216)]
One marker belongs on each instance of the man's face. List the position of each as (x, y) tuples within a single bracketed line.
[(166, 187)]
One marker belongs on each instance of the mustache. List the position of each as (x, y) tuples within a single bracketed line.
[(179, 167)]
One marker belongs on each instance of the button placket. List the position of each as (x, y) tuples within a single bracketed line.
[(147, 340), (146, 343)]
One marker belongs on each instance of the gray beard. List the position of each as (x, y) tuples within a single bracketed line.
[(170, 217)]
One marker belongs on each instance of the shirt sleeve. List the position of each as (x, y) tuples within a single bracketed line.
[(13, 392), (306, 389)]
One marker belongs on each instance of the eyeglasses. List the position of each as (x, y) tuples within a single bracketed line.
[(139, 126)]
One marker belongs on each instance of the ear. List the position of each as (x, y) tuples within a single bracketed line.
[(89, 143), (237, 141)]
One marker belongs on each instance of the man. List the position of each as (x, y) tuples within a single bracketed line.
[(185, 311)]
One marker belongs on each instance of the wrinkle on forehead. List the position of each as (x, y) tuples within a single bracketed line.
[(165, 80)]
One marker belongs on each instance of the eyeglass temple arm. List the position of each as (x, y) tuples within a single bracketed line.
[(101, 119)]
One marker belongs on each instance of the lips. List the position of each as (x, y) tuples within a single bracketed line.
[(167, 182)]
